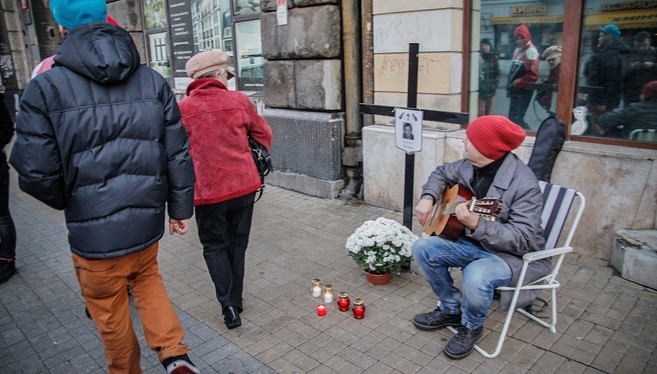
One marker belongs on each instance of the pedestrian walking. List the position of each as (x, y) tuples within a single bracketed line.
[(218, 122), (488, 77), (7, 229), (100, 136), (524, 69)]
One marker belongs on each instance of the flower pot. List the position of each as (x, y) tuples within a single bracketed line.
[(378, 279)]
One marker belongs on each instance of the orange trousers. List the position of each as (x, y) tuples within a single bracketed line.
[(103, 284)]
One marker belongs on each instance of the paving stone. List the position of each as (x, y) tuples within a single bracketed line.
[(606, 324)]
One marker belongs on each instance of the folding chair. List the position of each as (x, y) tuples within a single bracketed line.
[(648, 135), (557, 202)]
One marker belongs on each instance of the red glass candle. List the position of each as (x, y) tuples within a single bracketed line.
[(358, 309), (343, 302), (321, 310)]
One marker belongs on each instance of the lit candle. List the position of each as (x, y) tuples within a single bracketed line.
[(343, 301), (317, 288), (321, 310), (328, 294), (359, 309)]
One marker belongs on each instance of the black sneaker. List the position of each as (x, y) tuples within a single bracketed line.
[(463, 342), (7, 269), (436, 319)]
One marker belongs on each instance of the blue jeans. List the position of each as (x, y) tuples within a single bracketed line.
[(483, 271)]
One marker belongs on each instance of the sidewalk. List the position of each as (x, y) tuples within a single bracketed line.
[(607, 324)]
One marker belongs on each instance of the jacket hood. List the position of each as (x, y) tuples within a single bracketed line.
[(203, 83), (524, 31), (99, 51)]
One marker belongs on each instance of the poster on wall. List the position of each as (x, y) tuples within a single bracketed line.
[(182, 40), (155, 14)]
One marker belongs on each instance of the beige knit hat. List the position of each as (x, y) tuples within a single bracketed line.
[(207, 61), (551, 52)]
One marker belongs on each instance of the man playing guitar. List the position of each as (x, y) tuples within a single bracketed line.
[(489, 252)]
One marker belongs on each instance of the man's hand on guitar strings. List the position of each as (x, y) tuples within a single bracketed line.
[(423, 211), (468, 218)]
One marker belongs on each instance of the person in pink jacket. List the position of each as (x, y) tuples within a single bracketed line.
[(218, 121), (524, 69)]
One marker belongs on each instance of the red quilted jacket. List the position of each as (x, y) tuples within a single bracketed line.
[(217, 122)]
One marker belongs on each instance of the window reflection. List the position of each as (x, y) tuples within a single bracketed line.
[(159, 51), (246, 7), (250, 63), (522, 40), (617, 63)]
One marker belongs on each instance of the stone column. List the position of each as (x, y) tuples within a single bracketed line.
[(303, 92)]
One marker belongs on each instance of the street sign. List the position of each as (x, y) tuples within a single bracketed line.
[(408, 130), (281, 12)]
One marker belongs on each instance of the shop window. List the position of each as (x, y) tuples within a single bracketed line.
[(519, 60), (159, 51), (250, 63), (617, 62)]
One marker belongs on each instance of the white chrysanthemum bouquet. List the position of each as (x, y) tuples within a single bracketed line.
[(381, 246)]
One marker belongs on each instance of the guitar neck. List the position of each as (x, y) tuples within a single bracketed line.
[(450, 208)]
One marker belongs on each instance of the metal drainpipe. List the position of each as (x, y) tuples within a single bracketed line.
[(352, 152)]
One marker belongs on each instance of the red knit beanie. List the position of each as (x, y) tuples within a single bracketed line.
[(649, 91), (494, 136)]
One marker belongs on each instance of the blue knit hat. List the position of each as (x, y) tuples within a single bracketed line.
[(612, 30), (73, 13)]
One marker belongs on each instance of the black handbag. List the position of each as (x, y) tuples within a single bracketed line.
[(262, 160)]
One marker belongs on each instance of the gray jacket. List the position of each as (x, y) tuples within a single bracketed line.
[(517, 229)]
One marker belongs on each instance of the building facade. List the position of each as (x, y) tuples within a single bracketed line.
[(315, 61)]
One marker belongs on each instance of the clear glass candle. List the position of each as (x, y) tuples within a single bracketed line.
[(328, 294), (343, 301), (358, 309), (317, 288)]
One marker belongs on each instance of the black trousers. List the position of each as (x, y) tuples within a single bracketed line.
[(7, 229), (518, 107), (223, 229)]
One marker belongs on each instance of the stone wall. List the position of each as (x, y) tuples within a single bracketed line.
[(437, 27), (303, 90)]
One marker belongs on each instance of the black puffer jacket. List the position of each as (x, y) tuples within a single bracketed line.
[(101, 136), (605, 69)]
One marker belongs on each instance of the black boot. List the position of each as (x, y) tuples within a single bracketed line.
[(7, 269), (436, 319), (232, 317), (463, 342)]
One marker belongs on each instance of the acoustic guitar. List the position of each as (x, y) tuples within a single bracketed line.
[(443, 221)]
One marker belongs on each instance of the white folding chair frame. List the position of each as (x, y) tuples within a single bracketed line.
[(547, 282)]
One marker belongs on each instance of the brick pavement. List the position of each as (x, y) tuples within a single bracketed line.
[(606, 324)]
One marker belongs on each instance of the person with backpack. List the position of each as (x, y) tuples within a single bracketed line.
[(219, 122)]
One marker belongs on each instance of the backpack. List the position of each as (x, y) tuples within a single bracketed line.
[(262, 160), (550, 137)]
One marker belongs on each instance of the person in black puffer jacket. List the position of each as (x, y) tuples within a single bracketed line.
[(101, 136)]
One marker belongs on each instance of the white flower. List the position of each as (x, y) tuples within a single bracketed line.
[(381, 245)]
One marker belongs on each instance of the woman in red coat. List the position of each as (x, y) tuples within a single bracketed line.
[(217, 121)]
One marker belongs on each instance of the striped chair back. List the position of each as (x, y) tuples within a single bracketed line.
[(557, 202)]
